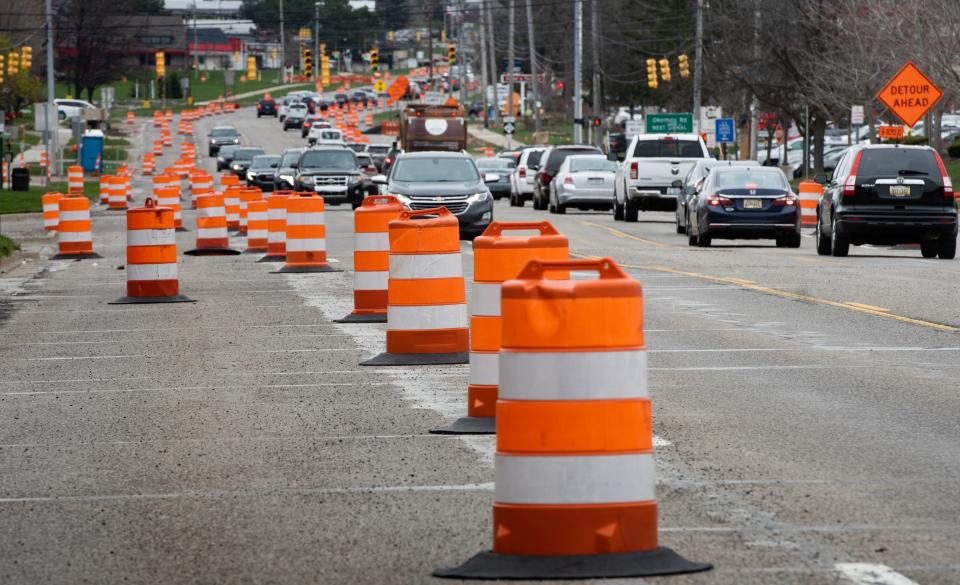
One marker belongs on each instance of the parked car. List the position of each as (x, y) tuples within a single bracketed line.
[(242, 158), (583, 181), (422, 180), (888, 194), (296, 114), (652, 163), (502, 168), (522, 178), (71, 108), (262, 170), (694, 180), (221, 136), (331, 171), (749, 202), (225, 155), (267, 107), (551, 161), (285, 177)]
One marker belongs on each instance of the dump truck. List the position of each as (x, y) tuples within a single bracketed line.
[(430, 127)]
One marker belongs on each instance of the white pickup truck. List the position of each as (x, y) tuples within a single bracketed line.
[(653, 162)]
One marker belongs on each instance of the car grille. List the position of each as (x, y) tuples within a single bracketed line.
[(456, 205), (329, 181), (265, 177)]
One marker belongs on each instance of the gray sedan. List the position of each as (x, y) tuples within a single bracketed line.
[(584, 181)]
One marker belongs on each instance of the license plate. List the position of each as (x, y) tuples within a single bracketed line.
[(900, 191), (753, 203), (673, 190), (595, 181)]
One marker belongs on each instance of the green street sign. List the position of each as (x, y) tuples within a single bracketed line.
[(669, 123)]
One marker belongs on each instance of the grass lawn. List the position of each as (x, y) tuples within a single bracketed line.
[(7, 246), (30, 201), (560, 129)]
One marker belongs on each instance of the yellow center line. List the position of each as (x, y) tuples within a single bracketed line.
[(866, 306), (621, 234)]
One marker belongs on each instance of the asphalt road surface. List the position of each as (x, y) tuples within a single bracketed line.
[(805, 409)]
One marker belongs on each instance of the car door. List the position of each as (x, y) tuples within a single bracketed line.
[(693, 205), (830, 199)]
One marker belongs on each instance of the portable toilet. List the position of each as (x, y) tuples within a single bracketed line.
[(91, 151)]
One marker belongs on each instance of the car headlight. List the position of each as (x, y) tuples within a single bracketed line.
[(287, 178), (235, 166), (236, 141), (406, 201), (307, 180), (251, 175), (479, 197), (353, 179)]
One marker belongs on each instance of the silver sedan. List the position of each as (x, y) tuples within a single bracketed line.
[(584, 181)]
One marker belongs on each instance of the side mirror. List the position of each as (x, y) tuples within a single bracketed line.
[(490, 177), (379, 179), (677, 184), (822, 179)]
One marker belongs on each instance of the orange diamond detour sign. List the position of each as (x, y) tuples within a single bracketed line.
[(910, 94)]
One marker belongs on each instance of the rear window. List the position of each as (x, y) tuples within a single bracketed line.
[(749, 179), (892, 162), (559, 155), (247, 153), (533, 158), (268, 102), (668, 148), (592, 164)]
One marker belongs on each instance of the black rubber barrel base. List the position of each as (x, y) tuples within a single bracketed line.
[(470, 425), (490, 565), (83, 256), (253, 251), (182, 229), (418, 359), (269, 258), (363, 318), (212, 252), (305, 269), (151, 300)]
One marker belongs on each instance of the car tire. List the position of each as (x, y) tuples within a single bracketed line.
[(561, 209), (823, 242), (617, 211), (631, 211), (793, 240), (680, 229), (839, 244), (948, 248), (211, 153), (929, 248), (704, 240)]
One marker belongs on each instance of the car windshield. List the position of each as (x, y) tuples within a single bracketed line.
[(246, 153), (227, 150), (340, 160), (439, 170), (891, 162), (297, 108), (223, 132), (495, 163), (264, 161), (761, 178), (593, 163), (664, 148), (290, 158)]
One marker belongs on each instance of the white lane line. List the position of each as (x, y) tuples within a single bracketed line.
[(782, 367), (872, 574), (84, 357), (241, 326), (174, 339), (128, 379), (238, 439), (469, 487), (108, 357), (193, 388), (796, 349)]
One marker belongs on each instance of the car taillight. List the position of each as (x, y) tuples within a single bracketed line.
[(785, 201), (947, 183), (718, 201), (634, 171), (568, 180), (850, 185), (522, 173)]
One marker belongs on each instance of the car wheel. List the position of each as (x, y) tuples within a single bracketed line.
[(929, 248), (704, 240), (823, 242), (617, 211), (793, 240), (948, 248), (561, 209), (839, 244), (631, 211), (681, 229)]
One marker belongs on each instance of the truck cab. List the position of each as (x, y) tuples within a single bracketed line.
[(652, 163), (433, 128)]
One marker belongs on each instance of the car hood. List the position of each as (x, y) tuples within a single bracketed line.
[(435, 189)]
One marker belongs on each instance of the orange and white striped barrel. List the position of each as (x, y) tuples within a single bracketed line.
[(212, 237), (166, 137), (306, 249), (105, 189), (45, 161), (256, 226), (496, 259), (157, 119), (151, 256), (574, 468), (426, 297), (810, 193), (277, 226), (75, 179), (201, 183), (149, 163), (158, 148), (231, 200), (228, 180), (371, 258), (51, 210), (117, 198), (74, 229), (168, 114), (247, 194), (169, 196)]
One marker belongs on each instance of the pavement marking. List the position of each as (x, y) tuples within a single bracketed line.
[(621, 234), (174, 339), (872, 574), (83, 357), (794, 350), (206, 441), (868, 307), (181, 388)]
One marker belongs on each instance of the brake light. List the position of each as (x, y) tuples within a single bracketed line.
[(568, 180), (947, 183), (850, 185), (718, 201), (522, 173), (634, 171), (785, 201)]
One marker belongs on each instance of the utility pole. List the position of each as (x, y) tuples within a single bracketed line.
[(317, 59), (577, 71), (595, 54), (533, 67), (698, 68), (283, 50), (488, 15), (484, 71), (510, 32), (430, 44), (53, 149), (755, 103)]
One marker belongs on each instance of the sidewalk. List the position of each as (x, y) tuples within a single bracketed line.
[(491, 137), (32, 154)]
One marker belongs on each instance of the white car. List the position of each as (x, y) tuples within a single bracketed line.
[(522, 178), (71, 108), (325, 136), (584, 181)]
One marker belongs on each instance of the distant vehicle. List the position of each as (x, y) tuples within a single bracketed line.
[(694, 180), (388, 160), (550, 162), (285, 176), (502, 168), (325, 136), (71, 108), (888, 194), (378, 152), (436, 128), (262, 170), (225, 155), (357, 147), (296, 114), (308, 122), (475, 109), (221, 136), (744, 202), (284, 104), (330, 171), (364, 97), (583, 181), (368, 171), (623, 114), (617, 144), (267, 107), (522, 178), (422, 180), (651, 165), (242, 158), (511, 155), (341, 99)]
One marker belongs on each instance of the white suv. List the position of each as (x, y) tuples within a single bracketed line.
[(71, 108), (522, 178)]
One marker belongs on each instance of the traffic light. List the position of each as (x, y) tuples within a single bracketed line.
[(307, 63), (665, 69), (26, 58), (443, 36), (652, 73), (452, 53), (13, 63), (391, 36), (161, 64), (251, 67), (419, 36), (374, 58), (324, 69), (597, 122), (683, 63), (3, 68)]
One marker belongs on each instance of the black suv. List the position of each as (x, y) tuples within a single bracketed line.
[(550, 164), (267, 107), (242, 158), (888, 194), (222, 136), (333, 172)]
